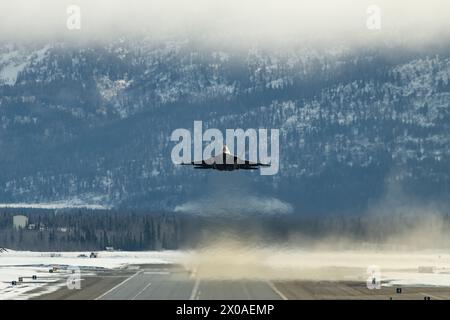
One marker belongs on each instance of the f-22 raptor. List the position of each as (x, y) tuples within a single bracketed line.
[(225, 161)]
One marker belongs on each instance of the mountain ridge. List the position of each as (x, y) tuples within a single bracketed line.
[(81, 121)]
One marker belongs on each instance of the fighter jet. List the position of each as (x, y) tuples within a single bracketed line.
[(225, 161)]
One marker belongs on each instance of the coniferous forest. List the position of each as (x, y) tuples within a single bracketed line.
[(83, 229), (89, 230)]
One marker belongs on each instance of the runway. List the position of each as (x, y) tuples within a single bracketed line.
[(174, 282), (163, 282), (178, 284)]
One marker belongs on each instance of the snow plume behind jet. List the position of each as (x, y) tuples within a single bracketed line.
[(330, 248), (396, 233)]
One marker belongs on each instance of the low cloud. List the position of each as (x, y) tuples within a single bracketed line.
[(268, 21), (236, 206)]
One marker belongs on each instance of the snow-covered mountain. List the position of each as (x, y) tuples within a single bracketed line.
[(94, 122)]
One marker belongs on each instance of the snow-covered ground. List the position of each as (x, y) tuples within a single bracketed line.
[(13, 62), (439, 278), (15, 264)]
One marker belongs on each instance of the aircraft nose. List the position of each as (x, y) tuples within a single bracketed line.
[(225, 149)]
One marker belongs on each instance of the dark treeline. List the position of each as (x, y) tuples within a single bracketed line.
[(89, 230), (80, 230)]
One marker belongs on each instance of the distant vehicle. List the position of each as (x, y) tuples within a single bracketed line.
[(82, 256), (225, 161)]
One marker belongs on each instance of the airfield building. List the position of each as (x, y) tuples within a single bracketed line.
[(20, 222)]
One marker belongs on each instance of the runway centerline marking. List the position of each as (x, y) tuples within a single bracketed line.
[(247, 293), (195, 289), (134, 298), (117, 286), (278, 292)]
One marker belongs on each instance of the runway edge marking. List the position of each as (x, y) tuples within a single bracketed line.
[(278, 292), (115, 287), (145, 288)]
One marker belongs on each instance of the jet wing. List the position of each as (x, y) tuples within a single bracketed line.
[(239, 163), (198, 165), (227, 159), (248, 164)]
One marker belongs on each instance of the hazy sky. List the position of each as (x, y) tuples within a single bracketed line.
[(262, 20)]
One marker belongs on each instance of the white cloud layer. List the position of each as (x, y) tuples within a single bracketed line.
[(233, 20)]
